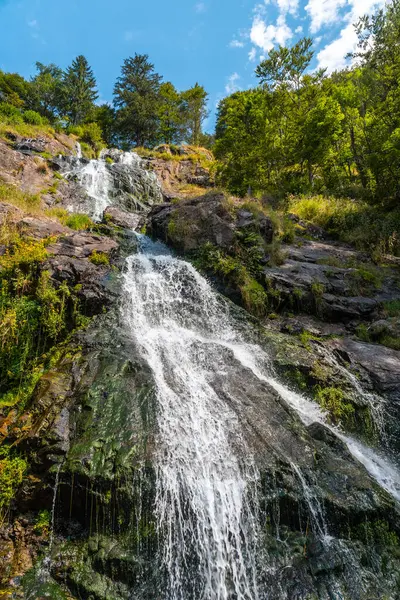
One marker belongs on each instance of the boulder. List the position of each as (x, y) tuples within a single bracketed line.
[(190, 224), (123, 219)]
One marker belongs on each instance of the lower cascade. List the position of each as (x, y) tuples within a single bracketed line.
[(208, 484), (206, 478)]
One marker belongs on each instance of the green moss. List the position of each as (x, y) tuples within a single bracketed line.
[(12, 470), (99, 258), (232, 269), (317, 289), (333, 400), (109, 160), (376, 533), (306, 337), (46, 155), (42, 523), (392, 308)]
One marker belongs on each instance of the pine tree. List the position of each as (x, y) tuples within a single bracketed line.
[(79, 91), (170, 114), (137, 96), (195, 111)]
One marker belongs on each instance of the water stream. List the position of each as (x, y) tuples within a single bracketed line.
[(207, 480)]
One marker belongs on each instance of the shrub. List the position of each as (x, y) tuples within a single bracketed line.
[(99, 258), (42, 524), (365, 226), (10, 114), (334, 402), (12, 470), (32, 117), (392, 308), (78, 222), (91, 134)]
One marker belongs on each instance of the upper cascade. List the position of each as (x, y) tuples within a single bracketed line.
[(116, 178)]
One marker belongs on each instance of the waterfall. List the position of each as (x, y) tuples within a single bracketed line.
[(116, 178), (206, 479), (206, 475)]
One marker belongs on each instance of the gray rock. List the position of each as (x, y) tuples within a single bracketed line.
[(123, 219)]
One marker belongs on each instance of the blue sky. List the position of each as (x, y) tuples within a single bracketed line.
[(215, 42)]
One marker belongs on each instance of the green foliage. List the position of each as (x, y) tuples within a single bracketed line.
[(334, 402), (42, 523), (91, 134), (376, 533), (195, 112), (136, 94), (99, 258), (12, 470), (10, 114), (16, 197), (317, 289), (33, 118), (171, 114), (352, 221), (392, 308), (78, 222), (79, 91), (35, 315), (306, 132), (232, 269), (306, 337)]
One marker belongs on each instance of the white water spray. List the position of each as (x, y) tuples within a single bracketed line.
[(205, 475)]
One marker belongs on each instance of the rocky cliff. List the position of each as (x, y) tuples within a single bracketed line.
[(77, 467)]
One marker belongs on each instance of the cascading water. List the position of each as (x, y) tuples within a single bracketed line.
[(116, 178), (206, 478), (205, 475), (207, 482)]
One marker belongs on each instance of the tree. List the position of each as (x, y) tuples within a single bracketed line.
[(170, 114), (195, 112), (79, 91), (14, 89), (137, 96), (46, 90), (286, 66), (105, 116)]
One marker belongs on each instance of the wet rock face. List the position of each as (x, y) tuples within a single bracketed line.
[(190, 224), (117, 178)]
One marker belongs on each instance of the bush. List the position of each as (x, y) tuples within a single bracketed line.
[(78, 222), (10, 114), (99, 258), (12, 470), (32, 118), (90, 135), (367, 227)]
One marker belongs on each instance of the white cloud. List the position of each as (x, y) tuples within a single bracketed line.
[(253, 54), (236, 44), (266, 36), (299, 29), (232, 84), (200, 7), (287, 6), (323, 12), (333, 56)]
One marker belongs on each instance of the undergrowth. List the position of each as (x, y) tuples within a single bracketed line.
[(355, 222)]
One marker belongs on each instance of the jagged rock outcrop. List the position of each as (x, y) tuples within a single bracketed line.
[(190, 224)]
